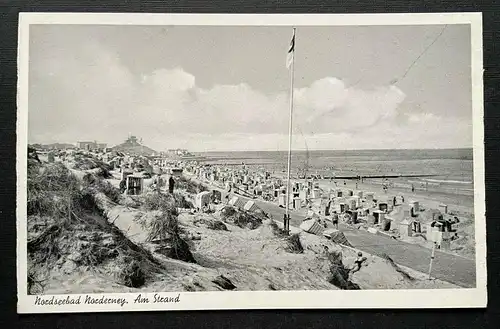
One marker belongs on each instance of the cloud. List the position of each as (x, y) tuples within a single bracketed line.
[(325, 105), (171, 99), (422, 117), (328, 105), (83, 91)]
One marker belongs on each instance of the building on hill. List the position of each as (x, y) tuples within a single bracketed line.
[(179, 152), (132, 146), (132, 140), (53, 146), (85, 145), (91, 145)]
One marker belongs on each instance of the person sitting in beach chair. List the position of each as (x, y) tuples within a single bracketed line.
[(448, 223), (439, 224), (452, 222), (417, 228)]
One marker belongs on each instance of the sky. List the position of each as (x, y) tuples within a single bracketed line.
[(227, 88)]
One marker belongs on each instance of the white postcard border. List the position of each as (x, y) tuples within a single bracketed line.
[(362, 299)]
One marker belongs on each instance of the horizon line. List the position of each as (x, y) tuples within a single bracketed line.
[(360, 149)]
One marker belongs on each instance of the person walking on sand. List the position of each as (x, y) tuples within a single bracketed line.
[(412, 188), (171, 183), (157, 181), (335, 220), (123, 186)]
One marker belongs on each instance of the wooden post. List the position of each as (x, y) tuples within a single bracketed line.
[(432, 259)]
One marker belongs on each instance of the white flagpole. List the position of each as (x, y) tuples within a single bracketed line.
[(287, 228)]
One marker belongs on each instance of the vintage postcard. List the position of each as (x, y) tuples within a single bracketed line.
[(194, 162)]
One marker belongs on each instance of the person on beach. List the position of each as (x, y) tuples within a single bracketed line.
[(310, 212), (123, 185), (402, 199), (335, 220), (417, 226), (171, 183), (32, 154), (157, 182), (358, 263), (412, 188)]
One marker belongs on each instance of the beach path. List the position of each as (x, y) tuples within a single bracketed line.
[(447, 267)]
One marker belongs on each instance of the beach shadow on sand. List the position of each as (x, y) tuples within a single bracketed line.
[(215, 263)]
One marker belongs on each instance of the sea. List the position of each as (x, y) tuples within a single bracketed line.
[(452, 168)]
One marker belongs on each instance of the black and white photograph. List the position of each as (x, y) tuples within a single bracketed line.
[(250, 161)]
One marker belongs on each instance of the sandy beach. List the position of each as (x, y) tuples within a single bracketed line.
[(462, 203), (413, 252)]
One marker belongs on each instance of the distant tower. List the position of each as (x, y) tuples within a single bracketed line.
[(132, 139)]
